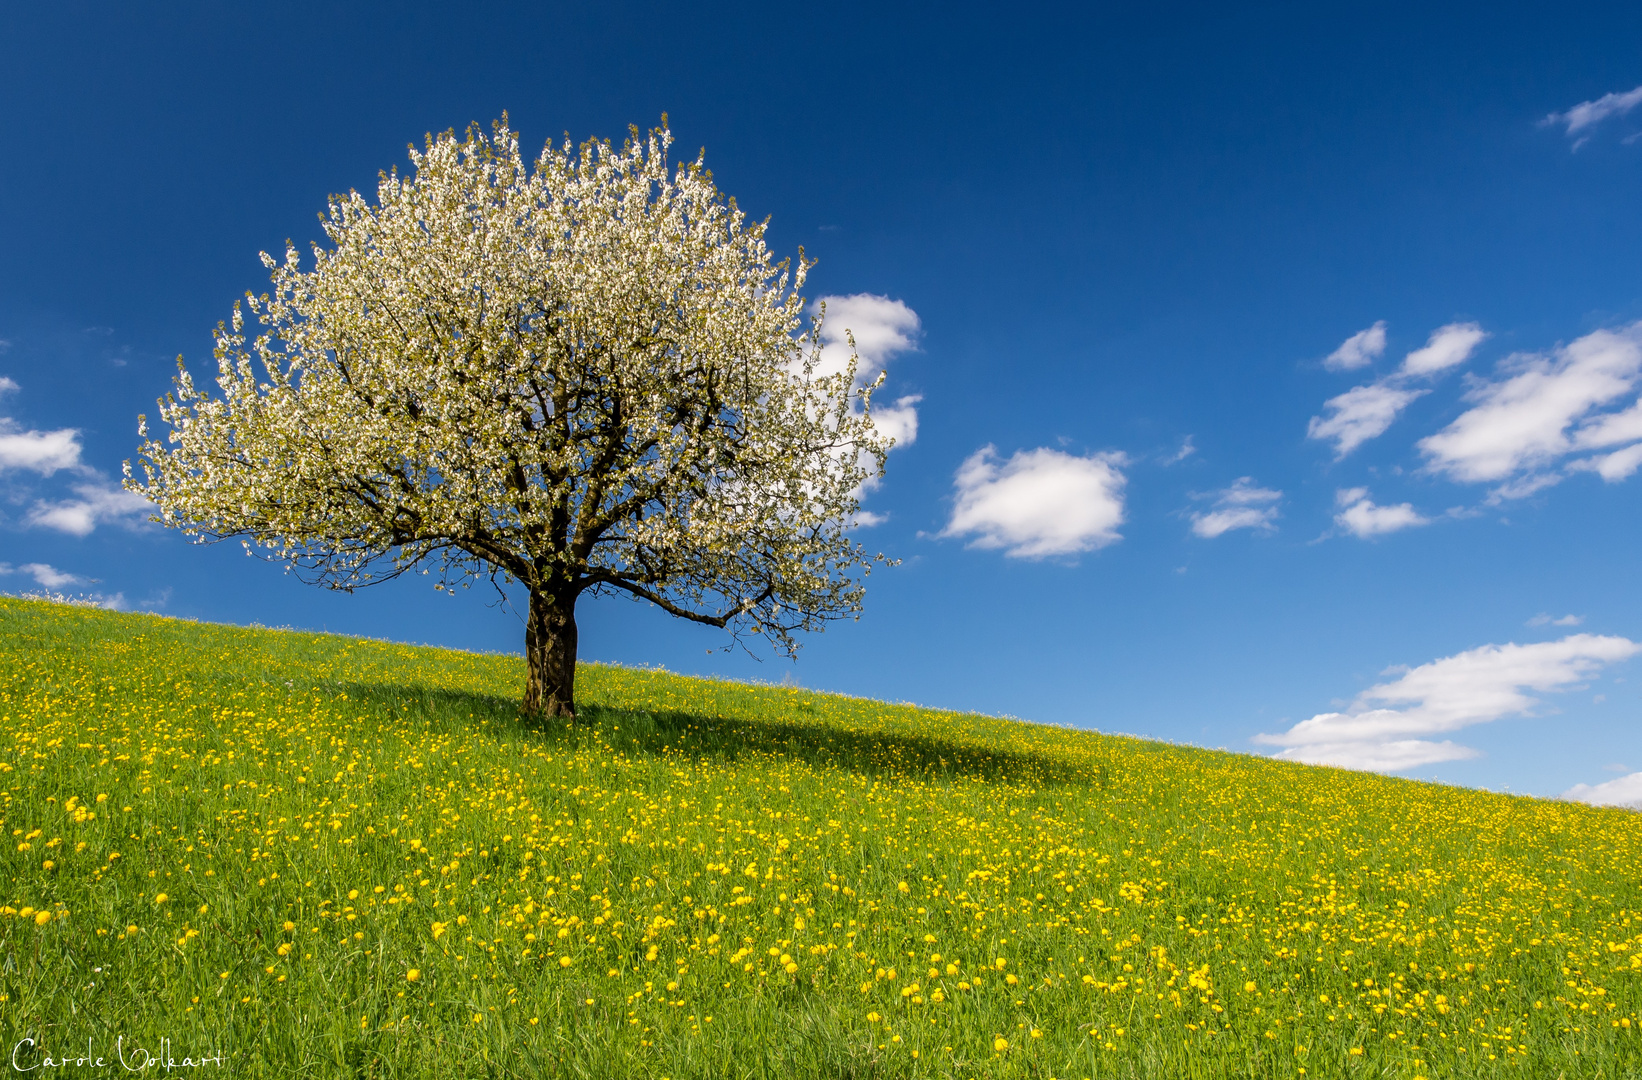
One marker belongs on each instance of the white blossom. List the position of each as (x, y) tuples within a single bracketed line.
[(584, 375)]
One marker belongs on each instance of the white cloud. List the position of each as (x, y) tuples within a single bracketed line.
[(1625, 791), (1218, 522), (1365, 412), (1358, 350), (1380, 755), (881, 327), (1610, 429), (1243, 505), (43, 452), (1588, 114), (1448, 345), (50, 452), (1519, 424), (1543, 619), (1522, 487), (1362, 518), (1387, 727), (1361, 414), (898, 421), (1039, 503), (46, 575), (51, 577), (1613, 467), (1186, 450), (96, 504)]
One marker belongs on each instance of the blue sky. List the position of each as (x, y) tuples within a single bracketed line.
[(1272, 367)]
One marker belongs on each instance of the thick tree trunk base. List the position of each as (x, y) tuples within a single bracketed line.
[(550, 660)]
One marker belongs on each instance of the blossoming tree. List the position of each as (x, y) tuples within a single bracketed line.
[(584, 376)]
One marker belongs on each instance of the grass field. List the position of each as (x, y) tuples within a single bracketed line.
[(319, 856)]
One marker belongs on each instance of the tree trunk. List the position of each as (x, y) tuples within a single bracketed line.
[(550, 657)]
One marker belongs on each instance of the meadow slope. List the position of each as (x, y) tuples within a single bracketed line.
[(321, 856)]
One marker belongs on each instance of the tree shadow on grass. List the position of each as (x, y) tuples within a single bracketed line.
[(928, 758), (639, 733)]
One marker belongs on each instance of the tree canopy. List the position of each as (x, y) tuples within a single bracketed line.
[(585, 374)]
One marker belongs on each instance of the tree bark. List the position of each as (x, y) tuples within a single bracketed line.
[(550, 657)]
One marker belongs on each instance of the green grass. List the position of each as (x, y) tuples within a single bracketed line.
[(708, 879)]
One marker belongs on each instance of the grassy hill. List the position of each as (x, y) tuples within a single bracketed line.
[(322, 856)]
